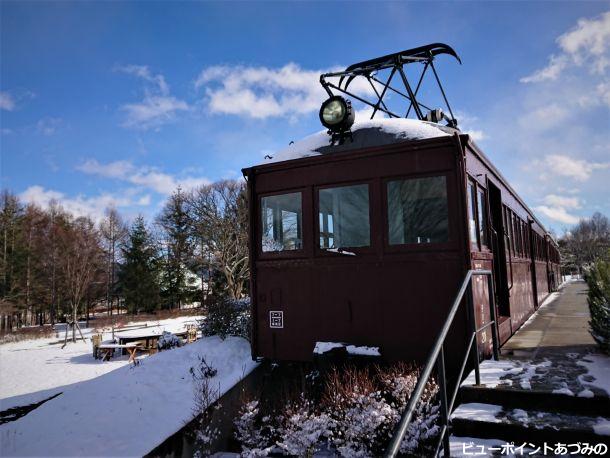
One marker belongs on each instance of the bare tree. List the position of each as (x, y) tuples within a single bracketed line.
[(587, 241), (80, 260), (113, 231), (219, 221)]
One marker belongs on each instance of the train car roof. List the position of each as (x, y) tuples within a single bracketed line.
[(371, 133)]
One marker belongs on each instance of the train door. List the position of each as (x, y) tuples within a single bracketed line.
[(499, 261)]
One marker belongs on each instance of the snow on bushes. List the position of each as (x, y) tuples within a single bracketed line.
[(167, 340), (352, 412), (228, 317)]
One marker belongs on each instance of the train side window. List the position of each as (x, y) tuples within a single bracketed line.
[(282, 218), (472, 223), (418, 211), (482, 214), (343, 215)]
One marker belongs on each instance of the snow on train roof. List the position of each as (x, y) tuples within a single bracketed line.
[(374, 132)]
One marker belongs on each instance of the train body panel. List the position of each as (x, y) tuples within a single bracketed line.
[(369, 247)]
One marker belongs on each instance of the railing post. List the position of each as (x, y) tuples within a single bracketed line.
[(442, 382), (473, 329), (492, 314)]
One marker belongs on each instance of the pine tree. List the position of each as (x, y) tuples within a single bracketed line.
[(178, 249), (598, 279), (139, 274)]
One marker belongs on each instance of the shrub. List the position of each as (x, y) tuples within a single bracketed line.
[(598, 279), (354, 415), (227, 317), (206, 394), (168, 341)]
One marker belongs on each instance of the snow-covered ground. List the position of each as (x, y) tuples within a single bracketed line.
[(33, 370), (129, 411)]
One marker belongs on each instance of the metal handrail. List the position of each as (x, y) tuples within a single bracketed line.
[(437, 358)]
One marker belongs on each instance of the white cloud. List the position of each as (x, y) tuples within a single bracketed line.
[(562, 201), (80, 205), (587, 43), (153, 111), (550, 72), (544, 117), (567, 166), (468, 124), (157, 107), (117, 169), (142, 71), (7, 102), (147, 177), (48, 126), (261, 92), (557, 214)]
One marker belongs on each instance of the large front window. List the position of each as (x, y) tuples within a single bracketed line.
[(417, 211), (344, 217), (282, 218)]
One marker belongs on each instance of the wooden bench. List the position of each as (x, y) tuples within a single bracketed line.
[(108, 350)]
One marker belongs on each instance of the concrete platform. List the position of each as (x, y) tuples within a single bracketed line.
[(560, 326)]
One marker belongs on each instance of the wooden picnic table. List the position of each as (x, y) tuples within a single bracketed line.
[(148, 335), (108, 349)]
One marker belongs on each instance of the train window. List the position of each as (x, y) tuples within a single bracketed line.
[(282, 217), (344, 217), (417, 211), (482, 214), (472, 224)]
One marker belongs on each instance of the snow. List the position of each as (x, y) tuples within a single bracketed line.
[(130, 410), (598, 366), (564, 390), (323, 347), (56, 368), (365, 351), (401, 128), (492, 371), (586, 394), (602, 427), (478, 412), (340, 251)]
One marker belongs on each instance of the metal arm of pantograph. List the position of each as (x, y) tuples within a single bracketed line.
[(368, 70)]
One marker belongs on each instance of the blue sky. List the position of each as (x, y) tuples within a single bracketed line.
[(116, 103)]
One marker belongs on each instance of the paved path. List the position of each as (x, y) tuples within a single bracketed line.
[(561, 326)]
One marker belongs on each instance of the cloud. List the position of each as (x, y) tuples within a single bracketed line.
[(94, 207), (567, 166), (587, 44), (158, 106), (550, 72), (147, 177), (562, 201), (468, 124), (557, 214), (261, 92), (544, 117), (48, 126), (7, 102)]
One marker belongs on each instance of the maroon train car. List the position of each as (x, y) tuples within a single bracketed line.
[(367, 243)]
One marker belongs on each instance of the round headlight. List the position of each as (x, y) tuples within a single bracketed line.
[(333, 112), (336, 114)]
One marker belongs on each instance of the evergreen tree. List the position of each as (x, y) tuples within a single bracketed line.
[(598, 279), (139, 274), (174, 220)]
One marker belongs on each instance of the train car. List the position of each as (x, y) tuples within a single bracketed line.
[(362, 235)]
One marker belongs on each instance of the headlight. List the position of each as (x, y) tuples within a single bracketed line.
[(336, 114)]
